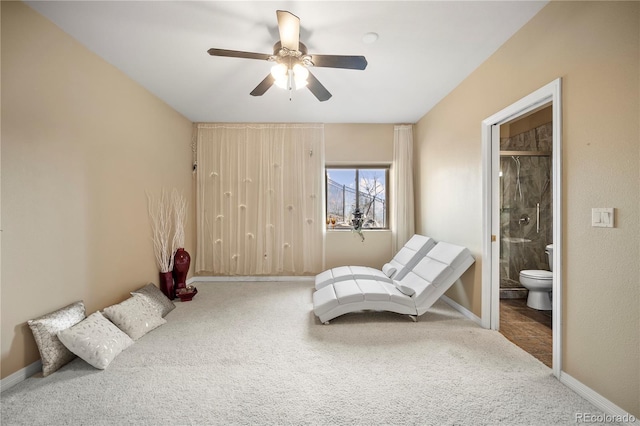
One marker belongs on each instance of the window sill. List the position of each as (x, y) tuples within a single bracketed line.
[(364, 230)]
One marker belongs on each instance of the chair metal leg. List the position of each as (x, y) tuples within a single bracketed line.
[(414, 318)]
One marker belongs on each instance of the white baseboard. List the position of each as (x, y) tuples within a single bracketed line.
[(248, 279), (20, 375), (464, 311), (618, 415)]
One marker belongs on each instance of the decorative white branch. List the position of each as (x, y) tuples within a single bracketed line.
[(179, 204), (160, 214)]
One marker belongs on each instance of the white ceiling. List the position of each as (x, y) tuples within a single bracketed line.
[(425, 49)]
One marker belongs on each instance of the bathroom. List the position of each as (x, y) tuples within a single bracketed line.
[(526, 230)]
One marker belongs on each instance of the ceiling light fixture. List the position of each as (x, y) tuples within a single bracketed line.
[(289, 77)]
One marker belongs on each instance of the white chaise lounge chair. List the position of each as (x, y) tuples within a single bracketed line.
[(406, 258), (412, 295)]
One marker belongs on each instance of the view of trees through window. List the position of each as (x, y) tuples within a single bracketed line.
[(364, 189)]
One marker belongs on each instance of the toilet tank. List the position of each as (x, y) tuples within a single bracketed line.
[(549, 251)]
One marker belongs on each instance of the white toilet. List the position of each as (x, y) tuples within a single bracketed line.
[(539, 283)]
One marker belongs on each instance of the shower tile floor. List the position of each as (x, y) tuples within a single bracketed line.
[(528, 328)]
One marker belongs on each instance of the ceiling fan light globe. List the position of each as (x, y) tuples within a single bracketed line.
[(300, 83), (279, 71), (300, 72), (282, 81)]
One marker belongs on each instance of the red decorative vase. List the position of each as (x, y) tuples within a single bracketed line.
[(166, 285), (181, 262)]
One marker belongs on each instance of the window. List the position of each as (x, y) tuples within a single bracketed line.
[(363, 189)]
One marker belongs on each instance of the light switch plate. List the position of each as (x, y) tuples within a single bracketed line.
[(602, 217)]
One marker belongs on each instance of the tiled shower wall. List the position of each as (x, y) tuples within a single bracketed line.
[(522, 245)]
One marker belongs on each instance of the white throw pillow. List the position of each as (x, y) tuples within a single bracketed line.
[(45, 329), (136, 316), (96, 340), (157, 297)]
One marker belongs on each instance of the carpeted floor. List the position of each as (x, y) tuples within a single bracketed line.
[(254, 354)]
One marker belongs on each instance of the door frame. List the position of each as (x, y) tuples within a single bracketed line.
[(550, 93)]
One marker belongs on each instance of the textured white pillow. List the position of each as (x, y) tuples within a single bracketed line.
[(157, 297), (45, 329), (136, 316), (96, 340)]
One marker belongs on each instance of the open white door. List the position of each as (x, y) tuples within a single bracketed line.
[(495, 227)]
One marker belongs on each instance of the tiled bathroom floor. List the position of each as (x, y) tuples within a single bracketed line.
[(528, 328)]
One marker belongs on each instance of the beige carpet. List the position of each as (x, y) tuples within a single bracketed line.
[(254, 354)]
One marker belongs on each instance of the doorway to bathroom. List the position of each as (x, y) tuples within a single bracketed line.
[(526, 232), (521, 216)]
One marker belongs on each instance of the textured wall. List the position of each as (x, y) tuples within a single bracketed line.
[(595, 48), (81, 143)]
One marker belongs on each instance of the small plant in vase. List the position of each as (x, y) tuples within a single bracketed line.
[(357, 222)]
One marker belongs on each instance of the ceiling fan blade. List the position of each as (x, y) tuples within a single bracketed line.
[(336, 61), (318, 90), (263, 86), (289, 27), (238, 54)]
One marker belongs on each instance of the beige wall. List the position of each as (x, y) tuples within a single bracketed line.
[(595, 48), (526, 123), (359, 144), (81, 143)]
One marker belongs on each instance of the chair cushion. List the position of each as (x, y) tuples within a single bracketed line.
[(419, 242), (366, 272), (432, 270), (373, 290), (324, 300), (324, 278), (348, 292), (397, 296), (449, 254)]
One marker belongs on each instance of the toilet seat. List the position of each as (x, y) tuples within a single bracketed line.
[(537, 274)]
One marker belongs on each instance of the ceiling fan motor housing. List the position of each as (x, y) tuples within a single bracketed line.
[(284, 55)]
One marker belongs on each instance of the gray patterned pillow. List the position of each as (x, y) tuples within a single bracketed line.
[(136, 316), (96, 340), (45, 329), (156, 297)]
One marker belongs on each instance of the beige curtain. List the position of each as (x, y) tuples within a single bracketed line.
[(402, 186), (259, 199)]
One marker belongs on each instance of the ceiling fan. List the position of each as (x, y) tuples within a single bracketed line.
[(292, 60)]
